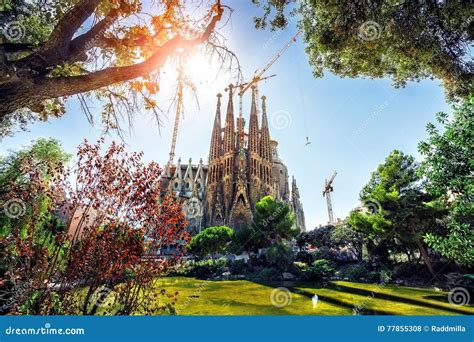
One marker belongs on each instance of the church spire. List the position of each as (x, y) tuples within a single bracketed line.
[(255, 169), (229, 133), (216, 140), (265, 150), (253, 129)]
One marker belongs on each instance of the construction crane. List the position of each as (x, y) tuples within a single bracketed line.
[(327, 193), (179, 109), (258, 75)]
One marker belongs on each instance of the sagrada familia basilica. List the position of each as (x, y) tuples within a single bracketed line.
[(243, 167)]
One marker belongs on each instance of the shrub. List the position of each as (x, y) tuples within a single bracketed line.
[(323, 253), (280, 256), (304, 257), (321, 269), (301, 266), (355, 271), (207, 268), (268, 274), (182, 269), (302, 270), (238, 267), (385, 275)]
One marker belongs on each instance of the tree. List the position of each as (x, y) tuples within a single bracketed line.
[(399, 211), (273, 222), (448, 167), (319, 237), (211, 241), (344, 235), (29, 228), (403, 40), (124, 218), (111, 49), (244, 241)]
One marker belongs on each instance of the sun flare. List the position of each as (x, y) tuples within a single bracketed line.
[(199, 68)]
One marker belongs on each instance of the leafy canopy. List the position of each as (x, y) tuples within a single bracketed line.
[(103, 50), (211, 240), (398, 212), (449, 167), (273, 221), (405, 40)]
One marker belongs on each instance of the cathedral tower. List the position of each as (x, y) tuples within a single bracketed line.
[(228, 153), (265, 154), (243, 168), (214, 205), (254, 159)]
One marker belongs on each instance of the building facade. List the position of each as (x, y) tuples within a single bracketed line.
[(243, 167)]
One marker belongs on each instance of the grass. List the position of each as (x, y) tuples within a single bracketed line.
[(242, 297)]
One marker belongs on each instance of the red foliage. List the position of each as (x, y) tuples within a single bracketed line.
[(124, 219)]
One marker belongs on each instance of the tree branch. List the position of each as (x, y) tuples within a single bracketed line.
[(31, 91), (82, 43), (66, 86), (70, 23), (56, 49)]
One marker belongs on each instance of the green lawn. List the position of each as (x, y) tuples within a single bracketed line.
[(242, 297)]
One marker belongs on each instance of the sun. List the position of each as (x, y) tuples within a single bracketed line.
[(199, 68)]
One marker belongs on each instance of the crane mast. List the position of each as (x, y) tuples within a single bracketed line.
[(327, 193), (179, 109), (257, 77)]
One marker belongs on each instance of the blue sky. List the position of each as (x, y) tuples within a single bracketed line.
[(352, 124)]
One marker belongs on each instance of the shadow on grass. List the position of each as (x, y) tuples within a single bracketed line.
[(362, 292), (293, 287)]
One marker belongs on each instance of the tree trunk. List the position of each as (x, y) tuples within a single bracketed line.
[(426, 258)]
